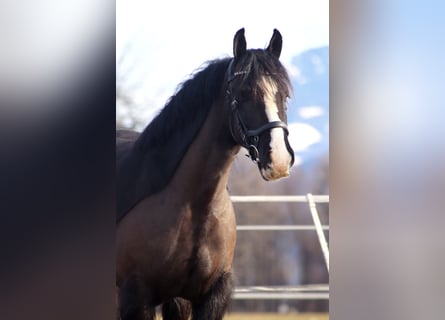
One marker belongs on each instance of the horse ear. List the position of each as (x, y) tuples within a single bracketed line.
[(275, 44), (239, 44)]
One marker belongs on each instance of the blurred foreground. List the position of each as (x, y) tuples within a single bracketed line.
[(273, 316)]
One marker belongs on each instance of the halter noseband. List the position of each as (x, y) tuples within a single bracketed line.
[(249, 138)]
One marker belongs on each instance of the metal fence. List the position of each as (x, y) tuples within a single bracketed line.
[(311, 292)]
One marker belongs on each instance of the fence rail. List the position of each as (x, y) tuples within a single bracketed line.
[(300, 198), (311, 292), (296, 227), (302, 292)]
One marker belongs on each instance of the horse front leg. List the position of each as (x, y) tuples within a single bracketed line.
[(132, 301), (214, 304), (176, 309)]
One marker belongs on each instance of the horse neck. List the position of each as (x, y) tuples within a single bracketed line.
[(205, 168)]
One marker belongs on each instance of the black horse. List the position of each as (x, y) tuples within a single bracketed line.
[(176, 226)]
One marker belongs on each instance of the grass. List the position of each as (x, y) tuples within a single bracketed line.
[(276, 316)]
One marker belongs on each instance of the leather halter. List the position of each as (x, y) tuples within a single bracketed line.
[(249, 137)]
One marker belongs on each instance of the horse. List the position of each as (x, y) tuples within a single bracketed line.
[(176, 228)]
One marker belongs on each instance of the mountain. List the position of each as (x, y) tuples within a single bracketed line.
[(308, 110)]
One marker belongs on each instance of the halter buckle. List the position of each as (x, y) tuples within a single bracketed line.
[(234, 104), (253, 153)]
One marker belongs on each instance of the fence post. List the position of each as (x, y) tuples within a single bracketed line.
[(319, 229)]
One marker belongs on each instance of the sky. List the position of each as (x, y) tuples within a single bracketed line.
[(159, 44)]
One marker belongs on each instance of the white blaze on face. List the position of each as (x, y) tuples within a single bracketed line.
[(280, 157)]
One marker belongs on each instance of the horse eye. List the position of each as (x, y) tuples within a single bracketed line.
[(245, 95)]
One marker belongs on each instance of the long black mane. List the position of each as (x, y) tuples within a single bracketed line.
[(146, 166)]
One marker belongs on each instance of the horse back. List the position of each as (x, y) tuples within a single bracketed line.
[(126, 171), (124, 142)]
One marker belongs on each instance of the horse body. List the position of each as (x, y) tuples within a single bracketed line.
[(167, 233), (176, 227)]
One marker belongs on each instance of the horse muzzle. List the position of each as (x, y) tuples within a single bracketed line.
[(280, 158), (276, 171)]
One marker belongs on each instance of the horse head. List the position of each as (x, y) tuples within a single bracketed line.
[(257, 89)]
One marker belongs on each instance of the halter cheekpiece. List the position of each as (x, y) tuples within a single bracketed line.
[(249, 137)]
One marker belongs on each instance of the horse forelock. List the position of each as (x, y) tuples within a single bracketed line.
[(259, 64)]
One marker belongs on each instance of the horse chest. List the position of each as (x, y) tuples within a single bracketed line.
[(209, 252), (206, 247)]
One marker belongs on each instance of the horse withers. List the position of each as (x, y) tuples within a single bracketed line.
[(176, 227)]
